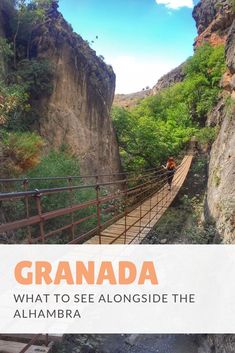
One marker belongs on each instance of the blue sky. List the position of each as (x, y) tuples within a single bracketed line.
[(141, 39)]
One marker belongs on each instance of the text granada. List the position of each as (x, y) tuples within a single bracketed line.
[(126, 272)]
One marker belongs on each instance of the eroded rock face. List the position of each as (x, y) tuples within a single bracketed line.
[(230, 50), (220, 203), (174, 76), (213, 20), (221, 182), (78, 111), (216, 343), (215, 23)]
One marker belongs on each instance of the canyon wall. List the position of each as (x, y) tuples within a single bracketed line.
[(216, 24), (215, 19), (77, 113)]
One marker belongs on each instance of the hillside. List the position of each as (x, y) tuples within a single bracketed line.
[(130, 100), (56, 96)]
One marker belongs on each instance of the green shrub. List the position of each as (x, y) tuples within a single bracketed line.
[(161, 125), (54, 164), (35, 76), (21, 152), (6, 53), (207, 135), (13, 102), (204, 234), (63, 164), (199, 166)]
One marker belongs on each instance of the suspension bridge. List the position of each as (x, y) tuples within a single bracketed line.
[(117, 208), (94, 209)]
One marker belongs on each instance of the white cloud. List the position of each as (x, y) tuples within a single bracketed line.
[(135, 73), (176, 4)]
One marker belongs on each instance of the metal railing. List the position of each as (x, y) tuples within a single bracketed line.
[(75, 213)]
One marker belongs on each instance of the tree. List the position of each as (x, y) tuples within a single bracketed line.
[(161, 125), (35, 76), (6, 53), (30, 15)]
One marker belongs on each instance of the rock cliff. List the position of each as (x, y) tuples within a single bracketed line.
[(213, 20), (216, 343), (129, 100), (220, 203), (77, 113), (172, 77), (216, 24)]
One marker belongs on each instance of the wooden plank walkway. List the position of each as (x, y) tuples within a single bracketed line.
[(143, 218)]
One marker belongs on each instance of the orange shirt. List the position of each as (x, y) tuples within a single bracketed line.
[(171, 165)]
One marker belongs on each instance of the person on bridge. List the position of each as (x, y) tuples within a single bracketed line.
[(171, 169)]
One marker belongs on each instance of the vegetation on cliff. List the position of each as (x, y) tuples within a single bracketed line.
[(23, 78), (21, 152), (161, 125)]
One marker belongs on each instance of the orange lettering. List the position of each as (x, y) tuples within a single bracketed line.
[(43, 270), (87, 273), (106, 273), (148, 273), (125, 278), (63, 273), (18, 273)]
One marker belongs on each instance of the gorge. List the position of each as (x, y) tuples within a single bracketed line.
[(76, 114)]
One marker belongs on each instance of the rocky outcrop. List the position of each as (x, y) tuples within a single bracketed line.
[(213, 20), (215, 24), (230, 53), (220, 203), (131, 99), (216, 343), (221, 183), (77, 113), (172, 77)]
